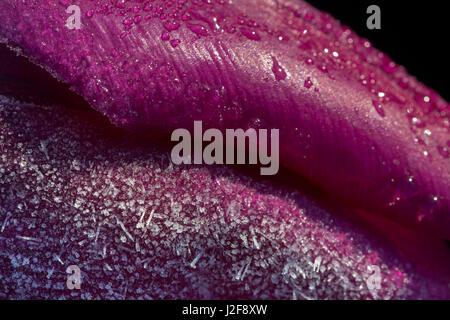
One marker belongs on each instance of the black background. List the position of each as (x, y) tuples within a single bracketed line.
[(414, 34)]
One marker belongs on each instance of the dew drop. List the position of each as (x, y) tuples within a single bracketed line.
[(424, 102), (165, 36), (378, 108), (403, 83), (250, 34), (389, 67), (148, 7), (255, 123), (171, 25), (277, 70), (417, 122), (120, 4), (175, 42), (323, 68), (127, 22), (197, 29), (308, 83), (231, 30), (309, 61), (443, 151)]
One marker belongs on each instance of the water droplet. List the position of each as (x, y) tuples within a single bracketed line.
[(231, 30), (378, 108), (308, 83), (165, 36), (323, 68), (309, 61), (171, 25), (403, 83), (175, 42), (148, 7), (250, 34), (424, 102), (278, 71), (197, 29), (127, 22), (443, 151), (389, 67), (417, 122), (255, 123)]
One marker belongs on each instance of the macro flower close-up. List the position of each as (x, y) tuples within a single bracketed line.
[(216, 150)]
